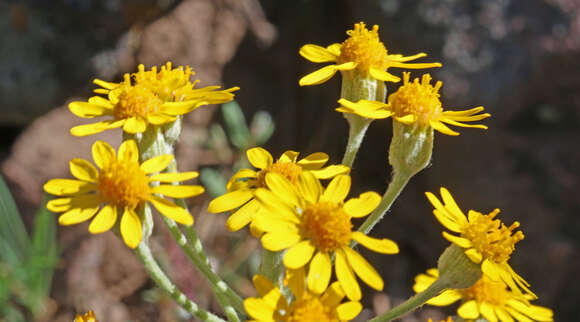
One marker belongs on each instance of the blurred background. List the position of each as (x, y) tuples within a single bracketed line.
[(519, 59)]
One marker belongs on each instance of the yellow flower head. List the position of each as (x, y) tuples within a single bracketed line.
[(243, 184), (487, 298), (314, 224), (121, 185), (145, 98), (87, 317), (486, 240), (305, 306), (418, 102), (362, 51)]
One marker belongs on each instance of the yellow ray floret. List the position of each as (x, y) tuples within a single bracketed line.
[(145, 98), (487, 299), (87, 317), (314, 224), (486, 240), (362, 51), (119, 186), (272, 306), (243, 184)]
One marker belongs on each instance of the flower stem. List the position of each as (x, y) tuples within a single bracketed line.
[(144, 253), (357, 128), (193, 249), (412, 303), (397, 185), (271, 266)]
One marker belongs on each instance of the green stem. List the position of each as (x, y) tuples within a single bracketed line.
[(271, 266), (412, 303), (144, 253), (194, 252), (357, 128), (397, 185)]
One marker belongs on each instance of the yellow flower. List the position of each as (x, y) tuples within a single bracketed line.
[(87, 317), (314, 224), (306, 306), (121, 185), (145, 98), (244, 183), (362, 51), (416, 103), (449, 319), (486, 240), (487, 298)]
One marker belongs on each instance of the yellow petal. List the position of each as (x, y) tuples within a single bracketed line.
[(446, 298), (309, 187), (346, 277), (317, 54), (348, 311), (157, 164), (487, 311), (103, 84), (383, 75), (180, 108), (131, 229), (172, 211), (104, 220), (262, 284), (88, 110), (330, 171), (346, 66), (259, 309), (90, 200), (67, 187), (474, 255), (160, 119), (459, 241), (135, 125), (333, 295), (319, 273), (400, 64), (296, 279), (77, 215), (230, 201), (278, 241), (259, 158), (401, 58), (313, 161), (442, 128), (289, 156), (94, 128), (363, 205), (452, 206), (299, 255), (282, 188), (83, 170), (103, 154), (337, 189), (318, 77), (128, 151), (273, 204), (383, 246), (468, 310), (243, 216), (363, 269), (181, 191), (172, 176)]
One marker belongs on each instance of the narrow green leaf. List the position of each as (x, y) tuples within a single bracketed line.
[(236, 124), (12, 228), (262, 127), (213, 181)]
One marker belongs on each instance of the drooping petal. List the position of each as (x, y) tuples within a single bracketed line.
[(104, 220), (319, 273), (83, 170), (243, 216), (262, 284), (160, 119), (333, 295), (282, 188), (383, 246), (446, 298), (337, 189), (89, 200), (296, 281), (345, 276), (318, 77), (468, 310), (363, 205), (442, 128), (330, 171), (317, 54), (474, 255), (259, 309), (94, 128), (172, 211), (230, 200), (103, 154), (131, 229), (180, 191), (487, 311), (363, 269), (383, 75), (135, 125), (459, 241), (348, 310), (180, 108), (77, 215), (299, 255)]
